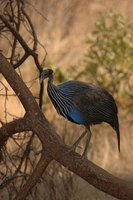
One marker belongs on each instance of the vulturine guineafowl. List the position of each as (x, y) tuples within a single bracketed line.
[(82, 103)]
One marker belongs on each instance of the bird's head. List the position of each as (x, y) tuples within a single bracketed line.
[(45, 74)]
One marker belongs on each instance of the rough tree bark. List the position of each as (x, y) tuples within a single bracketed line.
[(54, 148)]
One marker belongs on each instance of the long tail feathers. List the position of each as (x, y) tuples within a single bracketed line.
[(118, 138), (115, 126)]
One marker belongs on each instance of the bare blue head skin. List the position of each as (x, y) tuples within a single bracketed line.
[(45, 74)]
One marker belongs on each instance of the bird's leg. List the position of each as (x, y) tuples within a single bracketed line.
[(87, 142), (77, 141)]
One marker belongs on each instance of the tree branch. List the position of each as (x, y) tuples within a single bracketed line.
[(7, 130), (36, 175), (24, 57), (22, 42), (17, 28), (32, 28), (54, 146), (16, 34), (28, 51), (87, 170), (18, 85)]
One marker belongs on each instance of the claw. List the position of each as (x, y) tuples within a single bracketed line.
[(75, 145)]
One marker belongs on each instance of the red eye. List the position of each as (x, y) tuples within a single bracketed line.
[(50, 71)]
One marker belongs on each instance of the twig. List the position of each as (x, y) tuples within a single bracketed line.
[(38, 12), (28, 51), (22, 42), (32, 28), (26, 152), (17, 28), (6, 182), (21, 61), (33, 179)]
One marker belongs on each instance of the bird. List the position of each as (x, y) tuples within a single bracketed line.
[(82, 103)]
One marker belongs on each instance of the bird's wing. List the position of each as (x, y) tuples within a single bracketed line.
[(95, 102)]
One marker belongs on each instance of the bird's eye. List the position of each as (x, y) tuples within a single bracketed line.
[(50, 71)]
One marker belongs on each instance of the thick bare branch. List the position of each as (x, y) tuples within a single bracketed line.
[(7, 130), (18, 85)]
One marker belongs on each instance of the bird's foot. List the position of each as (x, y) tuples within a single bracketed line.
[(83, 156), (72, 148)]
